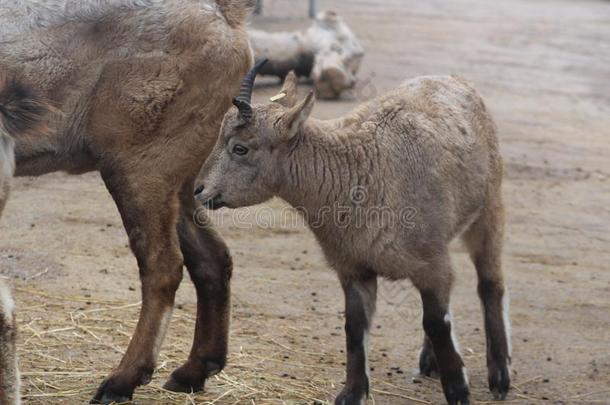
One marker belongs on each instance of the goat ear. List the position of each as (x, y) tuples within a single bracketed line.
[(290, 90), (297, 115)]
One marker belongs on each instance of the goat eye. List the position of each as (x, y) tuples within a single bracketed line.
[(240, 150)]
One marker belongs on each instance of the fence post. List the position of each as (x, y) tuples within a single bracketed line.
[(312, 8)]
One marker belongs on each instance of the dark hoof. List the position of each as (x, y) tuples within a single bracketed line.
[(456, 389), (458, 395), (352, 397), (112, 392), (499, 381), (191, 376), (175, 385), (427, 364)]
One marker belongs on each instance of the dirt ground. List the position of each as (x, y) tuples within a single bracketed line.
[(544, 69)]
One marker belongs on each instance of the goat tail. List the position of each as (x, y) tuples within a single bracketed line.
[(22, 109), (236, 11)]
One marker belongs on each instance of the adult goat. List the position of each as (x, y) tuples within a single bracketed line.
[(140, 88)]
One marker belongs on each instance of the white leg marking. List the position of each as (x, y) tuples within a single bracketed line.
[(6, 301), (506, 319), (456, 345), (365, 344), (449, 321), (163, 326), (7, 159), (7, 166), (465, 374), (369, 310)]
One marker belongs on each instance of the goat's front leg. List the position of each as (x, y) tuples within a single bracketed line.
[(360, 299), (209, 264), (150, 221)]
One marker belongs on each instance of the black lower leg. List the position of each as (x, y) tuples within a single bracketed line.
[(359, 307), (209, 265), (437, 325), (498, 352), (428, 365)]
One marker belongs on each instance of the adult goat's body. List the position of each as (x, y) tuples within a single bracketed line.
[(140, 88), (384, 189)]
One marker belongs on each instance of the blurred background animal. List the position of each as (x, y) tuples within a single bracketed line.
[(328, 52)]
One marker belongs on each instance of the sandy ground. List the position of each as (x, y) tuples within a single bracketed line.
[(544, 69)]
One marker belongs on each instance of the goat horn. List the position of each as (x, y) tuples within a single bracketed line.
[(244, 100)]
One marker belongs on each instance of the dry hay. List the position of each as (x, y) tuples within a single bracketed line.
[(68, 344)]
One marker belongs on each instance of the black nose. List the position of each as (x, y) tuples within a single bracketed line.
[(199, 190)]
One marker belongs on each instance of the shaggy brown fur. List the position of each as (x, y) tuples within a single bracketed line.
[(384, 189), (140, 88)]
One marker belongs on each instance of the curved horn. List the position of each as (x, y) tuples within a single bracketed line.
[(244, 100)]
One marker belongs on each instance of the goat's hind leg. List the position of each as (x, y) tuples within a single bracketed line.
[(360, 299), (484, 242), (435, 289), (209, 264)]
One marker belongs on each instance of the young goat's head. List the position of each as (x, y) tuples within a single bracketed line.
[(244, 167)]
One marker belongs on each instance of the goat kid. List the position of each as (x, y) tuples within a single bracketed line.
[(429, 147)]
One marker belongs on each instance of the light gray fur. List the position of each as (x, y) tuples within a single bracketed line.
[(21, 16), (405, 150), (385, 189), (328, 52)]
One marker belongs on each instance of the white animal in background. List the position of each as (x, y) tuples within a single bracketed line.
[(328, 52)]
